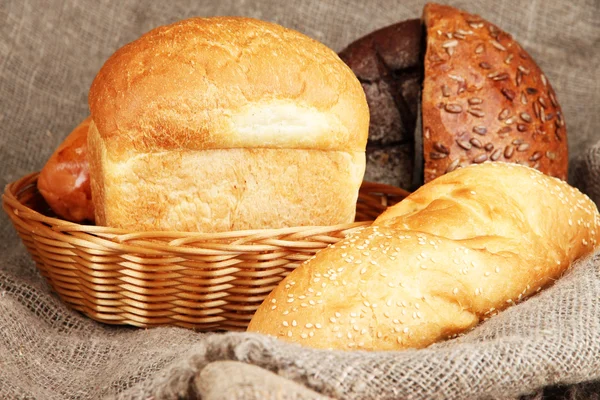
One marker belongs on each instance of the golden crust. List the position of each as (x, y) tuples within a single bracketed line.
[(227, 82), (458, 250), (484, 98)]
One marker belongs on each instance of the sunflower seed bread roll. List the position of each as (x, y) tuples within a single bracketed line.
[(461, 248)]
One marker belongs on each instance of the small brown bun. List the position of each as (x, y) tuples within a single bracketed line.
[(64, 182)]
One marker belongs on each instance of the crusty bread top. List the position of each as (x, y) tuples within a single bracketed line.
[(484, 98), (227, 82), (458, 250)]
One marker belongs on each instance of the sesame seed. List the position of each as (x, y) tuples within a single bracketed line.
[(285, 323), (455, 290), (349, 335), (405, 330), (337, 314), (311, 334), (290, 300), (309, 325), (286, 312), (294, 323), (274, 307), (289, 333), (304, 336), (379, 334)]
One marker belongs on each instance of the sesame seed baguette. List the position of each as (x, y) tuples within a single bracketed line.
[(461, 248)]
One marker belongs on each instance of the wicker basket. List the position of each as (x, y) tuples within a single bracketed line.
[(194, 280)]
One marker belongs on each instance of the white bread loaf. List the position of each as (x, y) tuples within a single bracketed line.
[(216, 124), (462, 247)]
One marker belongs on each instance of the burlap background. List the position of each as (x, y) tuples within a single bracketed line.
[(50, 51)]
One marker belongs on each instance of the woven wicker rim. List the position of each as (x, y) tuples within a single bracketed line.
[(195, 280)]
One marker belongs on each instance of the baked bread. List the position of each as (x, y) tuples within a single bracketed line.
[(64, 182), (458, 250), (225, 123), (389, 66), (483, 98)]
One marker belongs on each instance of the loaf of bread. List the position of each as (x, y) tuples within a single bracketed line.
[(483, 98), (458, 250), (64, 182), (389, 65), (225, 123)]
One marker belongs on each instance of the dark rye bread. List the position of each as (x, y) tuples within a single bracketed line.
[(388, 63), (483, 99)]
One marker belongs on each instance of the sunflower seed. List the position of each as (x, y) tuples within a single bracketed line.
[(464, 144), (479, 49), (504, 131), (553, 99), (510, 120), (449, 35), (450, 43), (437, 156), (551, 155), (496, 155), (523, 70), (497, 45), (476, 112), (450, 51), (544, 81), (480, 130), (523, 98), (456, 78), (523, 147), (509, 94), (493, 74), (485, 65), (536, 109), (453, 165), (503, 114), (509, 151), (476, 143), (519, 78), (480, 158), (531, 90), (453, 108), (441, 148), (501, 77), (475, 100), (427, 133), (542, 102), (463, 32), (525, 117), (560, 119), (542, 115), (509, 58), (521, 127), (489, 147), (476, 25), (458, 35), (517, 142), (535, 156), (446, 90)]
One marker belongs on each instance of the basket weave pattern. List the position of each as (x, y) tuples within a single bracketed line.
[(201, 281)]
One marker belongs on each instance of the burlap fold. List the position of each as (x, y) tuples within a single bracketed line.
[(548, 346)]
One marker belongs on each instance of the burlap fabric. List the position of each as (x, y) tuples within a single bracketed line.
[(548, 346)]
